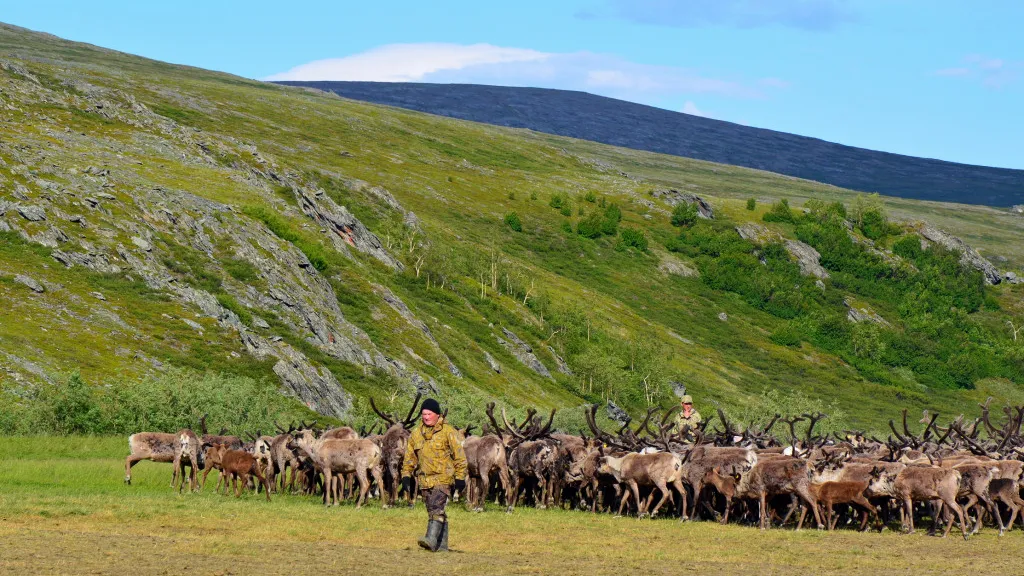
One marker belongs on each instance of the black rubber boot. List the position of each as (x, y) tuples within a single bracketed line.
[(434, 529), (442, 543)]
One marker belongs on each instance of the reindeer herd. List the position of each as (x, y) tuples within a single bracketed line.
[(968, 472)]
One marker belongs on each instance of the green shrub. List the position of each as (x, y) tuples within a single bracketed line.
[(75, 408), (590, 227), (241, 270), (533, 195), (610, 223), (590, 197), (166, 402), (751, 204), (873, 224), (779, 212), (567, 227), (228, 301), (788, 335), (566, 210), (684, 214), (633, 238), (511, 195), (513, 222), (557, 201)]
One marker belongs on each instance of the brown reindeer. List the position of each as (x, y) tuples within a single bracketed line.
[(702, 461), (919, 483), (533, 454), (829, 494), (155, 446), (659, 469), (238, 465), (1008, 492), (344, 457), (485, 456), (186, 453), (974, 485), (392, 444), (776, 476)]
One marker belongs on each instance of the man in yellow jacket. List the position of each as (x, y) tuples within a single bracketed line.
[(435, 454)]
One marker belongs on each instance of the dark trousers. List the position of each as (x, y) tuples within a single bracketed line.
[(436, 500)]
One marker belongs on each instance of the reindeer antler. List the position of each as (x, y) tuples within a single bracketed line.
[(410, 418), (390, 419)]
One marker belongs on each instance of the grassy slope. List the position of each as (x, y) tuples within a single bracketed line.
[(64, 509), (460, 179)]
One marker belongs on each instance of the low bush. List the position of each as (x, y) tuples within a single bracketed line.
[(166, 402), (513, 221)]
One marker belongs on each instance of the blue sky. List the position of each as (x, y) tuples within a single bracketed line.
[(934, 78)]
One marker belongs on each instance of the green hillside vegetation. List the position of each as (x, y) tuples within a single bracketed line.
[(201, 215)]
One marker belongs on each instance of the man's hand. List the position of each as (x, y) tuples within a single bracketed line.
[(407, 485), (460, 486)]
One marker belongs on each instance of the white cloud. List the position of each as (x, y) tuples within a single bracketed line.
[(690, 108), (407, 62), (603, 74), (991, 72)]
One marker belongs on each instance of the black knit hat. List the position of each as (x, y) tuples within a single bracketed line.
[(432, 405)]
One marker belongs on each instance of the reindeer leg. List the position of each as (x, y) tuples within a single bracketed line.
[(762, 501), (994, 510), (664, 496), (363, 487)]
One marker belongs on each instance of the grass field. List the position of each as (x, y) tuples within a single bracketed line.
[(65, 510)]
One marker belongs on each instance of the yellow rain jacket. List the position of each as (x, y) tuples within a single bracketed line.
[(435, 454)]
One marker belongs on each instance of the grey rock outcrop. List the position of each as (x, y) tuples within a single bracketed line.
[(755, 233), (671, 265), (492, 362), (522, 352), (1018, 209), (345, 229), (617, 414), (32, 213), (31, 283), (678, 388), (560, 364), (969, 257), (807, 257), (857, 314), (315, 386), (675, 197)]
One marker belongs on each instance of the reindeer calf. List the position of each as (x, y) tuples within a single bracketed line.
[(844, 492), (239, 465)]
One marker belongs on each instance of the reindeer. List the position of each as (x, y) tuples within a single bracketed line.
[(186, 453), (393, 443), (918, 483), (1008, 492), (659, 469), (782, 475), (533, 455), (829, 494), (283, 458), (344, 457), (155, 446), (486, 455), (232, 442), (237, 465)]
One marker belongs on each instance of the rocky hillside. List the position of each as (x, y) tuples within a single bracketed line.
[(601, 119), (156, 217)]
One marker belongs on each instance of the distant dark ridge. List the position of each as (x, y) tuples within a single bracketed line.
[(610, 121)]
